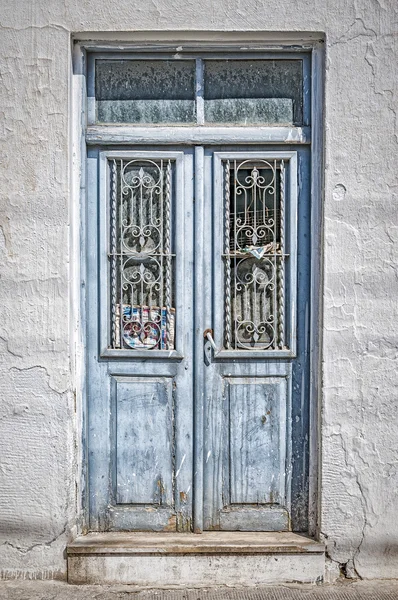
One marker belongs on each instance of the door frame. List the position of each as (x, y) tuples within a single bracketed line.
[(81, 136)]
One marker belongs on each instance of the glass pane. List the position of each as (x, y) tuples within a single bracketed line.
[(254, 254), (253, 92), (145, 91), (140, 254)]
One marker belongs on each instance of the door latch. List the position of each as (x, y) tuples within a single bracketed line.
[(208, 335)]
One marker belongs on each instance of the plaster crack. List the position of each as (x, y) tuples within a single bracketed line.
[(365, 523), (367, 32), (47, 26), (38, 544), (3, 339), (349, 568), (42, 368)]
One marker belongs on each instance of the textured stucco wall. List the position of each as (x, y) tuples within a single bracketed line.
[(359, 420)]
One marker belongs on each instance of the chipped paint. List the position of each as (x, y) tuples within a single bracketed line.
[(38, 447)]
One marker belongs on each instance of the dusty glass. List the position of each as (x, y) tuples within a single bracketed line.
[(145, 91), (246, 92)]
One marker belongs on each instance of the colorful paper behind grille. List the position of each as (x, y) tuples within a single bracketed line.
[(145, 327)]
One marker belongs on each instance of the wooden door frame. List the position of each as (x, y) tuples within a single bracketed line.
[(80, 136)]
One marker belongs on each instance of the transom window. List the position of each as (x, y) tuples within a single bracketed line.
[(255, 91)]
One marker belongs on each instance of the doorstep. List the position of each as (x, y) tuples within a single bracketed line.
[(194, 560)]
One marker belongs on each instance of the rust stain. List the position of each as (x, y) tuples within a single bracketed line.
[(171, 524), (162, 490), (184, 523), (183, 497)]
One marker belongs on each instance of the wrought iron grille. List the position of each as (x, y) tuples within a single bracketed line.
[(254, 254), (140, 255)]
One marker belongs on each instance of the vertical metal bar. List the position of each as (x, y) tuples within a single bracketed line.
[(200, 103), (275, 261), (235, 261), (167, 238), (141, 301), (255, 241), (113, 252), (227, 257), (121, 265), (162, 250), (281, 278), (199, 293)]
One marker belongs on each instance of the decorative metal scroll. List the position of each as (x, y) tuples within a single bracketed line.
[(141, 262), (254, 254)]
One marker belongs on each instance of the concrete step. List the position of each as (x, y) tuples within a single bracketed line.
[(195, 560)]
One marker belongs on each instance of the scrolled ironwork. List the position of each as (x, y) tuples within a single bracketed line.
[(140, 244), (254, 254)]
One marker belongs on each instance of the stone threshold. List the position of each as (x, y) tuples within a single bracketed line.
[(209, 542), (163, 560)]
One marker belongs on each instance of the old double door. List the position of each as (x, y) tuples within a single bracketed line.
[(197, 313)]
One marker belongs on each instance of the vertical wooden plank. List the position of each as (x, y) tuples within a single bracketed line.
[(300, 366), (200, 291), (216, 423), (317, 187), (291, 288), (103, 249), (307, 92), (98, 384), (183, 392), (78, 275)]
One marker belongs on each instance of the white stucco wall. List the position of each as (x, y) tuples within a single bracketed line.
[(38, 427)]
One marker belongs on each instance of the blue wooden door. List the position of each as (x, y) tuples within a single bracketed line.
[(197, 318), (139, 336), (256, 350)]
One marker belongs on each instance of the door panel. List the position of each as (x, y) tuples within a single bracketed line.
[(144, 441), (248, 460), (140, 362), (256, 419)]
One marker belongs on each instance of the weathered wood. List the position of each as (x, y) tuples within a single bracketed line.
[(111, 135), (227, 476), (209, 386), (144, 436), (317, 192), (257, 424), (130, 423), (249, 518), (200, 298)]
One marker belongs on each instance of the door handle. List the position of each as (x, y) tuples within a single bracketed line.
[(208, 335)]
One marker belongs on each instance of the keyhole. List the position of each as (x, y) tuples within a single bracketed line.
[(263, 419)]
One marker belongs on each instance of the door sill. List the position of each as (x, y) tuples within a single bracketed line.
[(194, 560)]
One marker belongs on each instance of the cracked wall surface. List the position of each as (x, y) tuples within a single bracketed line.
[(359, 367)]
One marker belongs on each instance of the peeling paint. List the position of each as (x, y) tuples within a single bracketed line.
[(359, 460)]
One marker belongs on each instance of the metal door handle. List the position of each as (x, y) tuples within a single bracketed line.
[(208, 335)]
